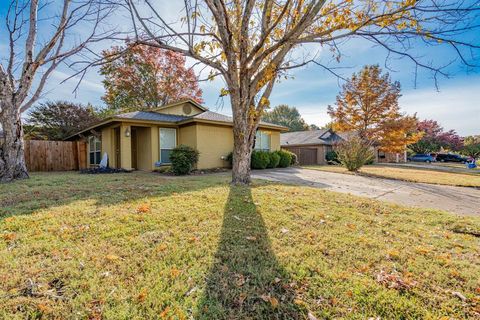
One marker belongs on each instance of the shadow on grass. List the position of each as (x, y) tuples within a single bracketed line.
[(246, 281), (48, 190)]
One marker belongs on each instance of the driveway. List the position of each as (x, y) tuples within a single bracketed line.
[(453, 199)]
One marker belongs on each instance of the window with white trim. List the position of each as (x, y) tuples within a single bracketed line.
[(262, 141), (168, 141), (94, 150)]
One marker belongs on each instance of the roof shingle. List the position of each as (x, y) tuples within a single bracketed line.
[(313, 137), (151, 116)]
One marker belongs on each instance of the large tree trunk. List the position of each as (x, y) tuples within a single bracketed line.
[(243, 139), (12, 157)]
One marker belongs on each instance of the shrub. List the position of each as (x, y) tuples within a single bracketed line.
[(471, 150), (274, 160), (183, 159), (260, 159), (285, 158), (332, 157), (353, 153), (294, 160)]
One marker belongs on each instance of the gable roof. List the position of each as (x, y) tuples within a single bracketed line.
[(173, 104), (314, 137)]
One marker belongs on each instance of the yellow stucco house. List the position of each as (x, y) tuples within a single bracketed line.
[(143, 140)]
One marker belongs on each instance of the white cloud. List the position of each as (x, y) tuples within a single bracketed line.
[(455, 107)]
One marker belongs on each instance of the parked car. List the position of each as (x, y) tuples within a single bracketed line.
[(421, 158), (447, 157)]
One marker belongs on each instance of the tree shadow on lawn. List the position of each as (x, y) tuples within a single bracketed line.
[(47, 190), (246, 280)]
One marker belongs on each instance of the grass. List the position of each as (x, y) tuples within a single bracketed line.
[(410, 174), (141, 246)]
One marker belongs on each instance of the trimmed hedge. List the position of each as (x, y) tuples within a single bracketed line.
[(265, 159), (260, 159), (274, 160), (285, 158), (183, 159)]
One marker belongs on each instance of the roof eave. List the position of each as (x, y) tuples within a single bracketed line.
[(229, 123)]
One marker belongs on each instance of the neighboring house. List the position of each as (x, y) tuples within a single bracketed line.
[(311, 147), (143, 140)]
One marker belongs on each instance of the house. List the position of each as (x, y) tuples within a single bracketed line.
[(311, 147), (143, 140)]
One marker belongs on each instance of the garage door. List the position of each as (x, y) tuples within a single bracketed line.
[(305, 156)]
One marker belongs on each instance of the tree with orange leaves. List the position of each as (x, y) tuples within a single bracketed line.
[(368, 105), (144, 77)]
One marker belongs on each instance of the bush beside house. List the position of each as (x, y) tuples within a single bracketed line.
[(274, 160), (264, 159), (183, 159), (285, 158)]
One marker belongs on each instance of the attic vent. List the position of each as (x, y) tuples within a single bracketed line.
[(187, 109)]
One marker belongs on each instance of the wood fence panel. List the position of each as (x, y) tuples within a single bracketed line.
[(43, 155), (82, 154)]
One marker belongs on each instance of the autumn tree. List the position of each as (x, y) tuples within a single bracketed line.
[(471, 146), (287, 116), (368, 105), (39, 37), (57, 120), (251, 43), (434, 138), (145, 77)]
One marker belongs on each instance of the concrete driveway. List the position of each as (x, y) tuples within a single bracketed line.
[(453, 199)]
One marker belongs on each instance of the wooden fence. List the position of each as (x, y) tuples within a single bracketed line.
[(42, 155)]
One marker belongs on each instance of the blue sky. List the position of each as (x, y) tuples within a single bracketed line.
[(456, 103)]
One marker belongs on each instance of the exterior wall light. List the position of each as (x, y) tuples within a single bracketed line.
[(127, 132)]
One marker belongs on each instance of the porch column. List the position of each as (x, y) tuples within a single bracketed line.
[(126, 147), (154, 146)]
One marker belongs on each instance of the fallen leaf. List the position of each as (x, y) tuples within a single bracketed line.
[(144, 208), (240, 280), (175, 272), (164, 313), (43, 308), (241, 298), (265, 297), (142, 295), (284, 230), (112, 257), (351, 226), (273, 302), (9, 236)]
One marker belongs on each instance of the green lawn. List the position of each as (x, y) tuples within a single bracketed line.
[(142, 246), (410, 174)]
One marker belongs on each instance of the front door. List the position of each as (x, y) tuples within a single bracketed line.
[(118, 164)]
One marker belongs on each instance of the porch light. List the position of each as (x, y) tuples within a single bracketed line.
[(127, 132)]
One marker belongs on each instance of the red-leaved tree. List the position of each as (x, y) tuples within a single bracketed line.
[(435, 138), (145, 77)]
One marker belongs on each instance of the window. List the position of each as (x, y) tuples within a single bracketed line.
[(168, 141), (262, 141), (381, 154), (94, 150)]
